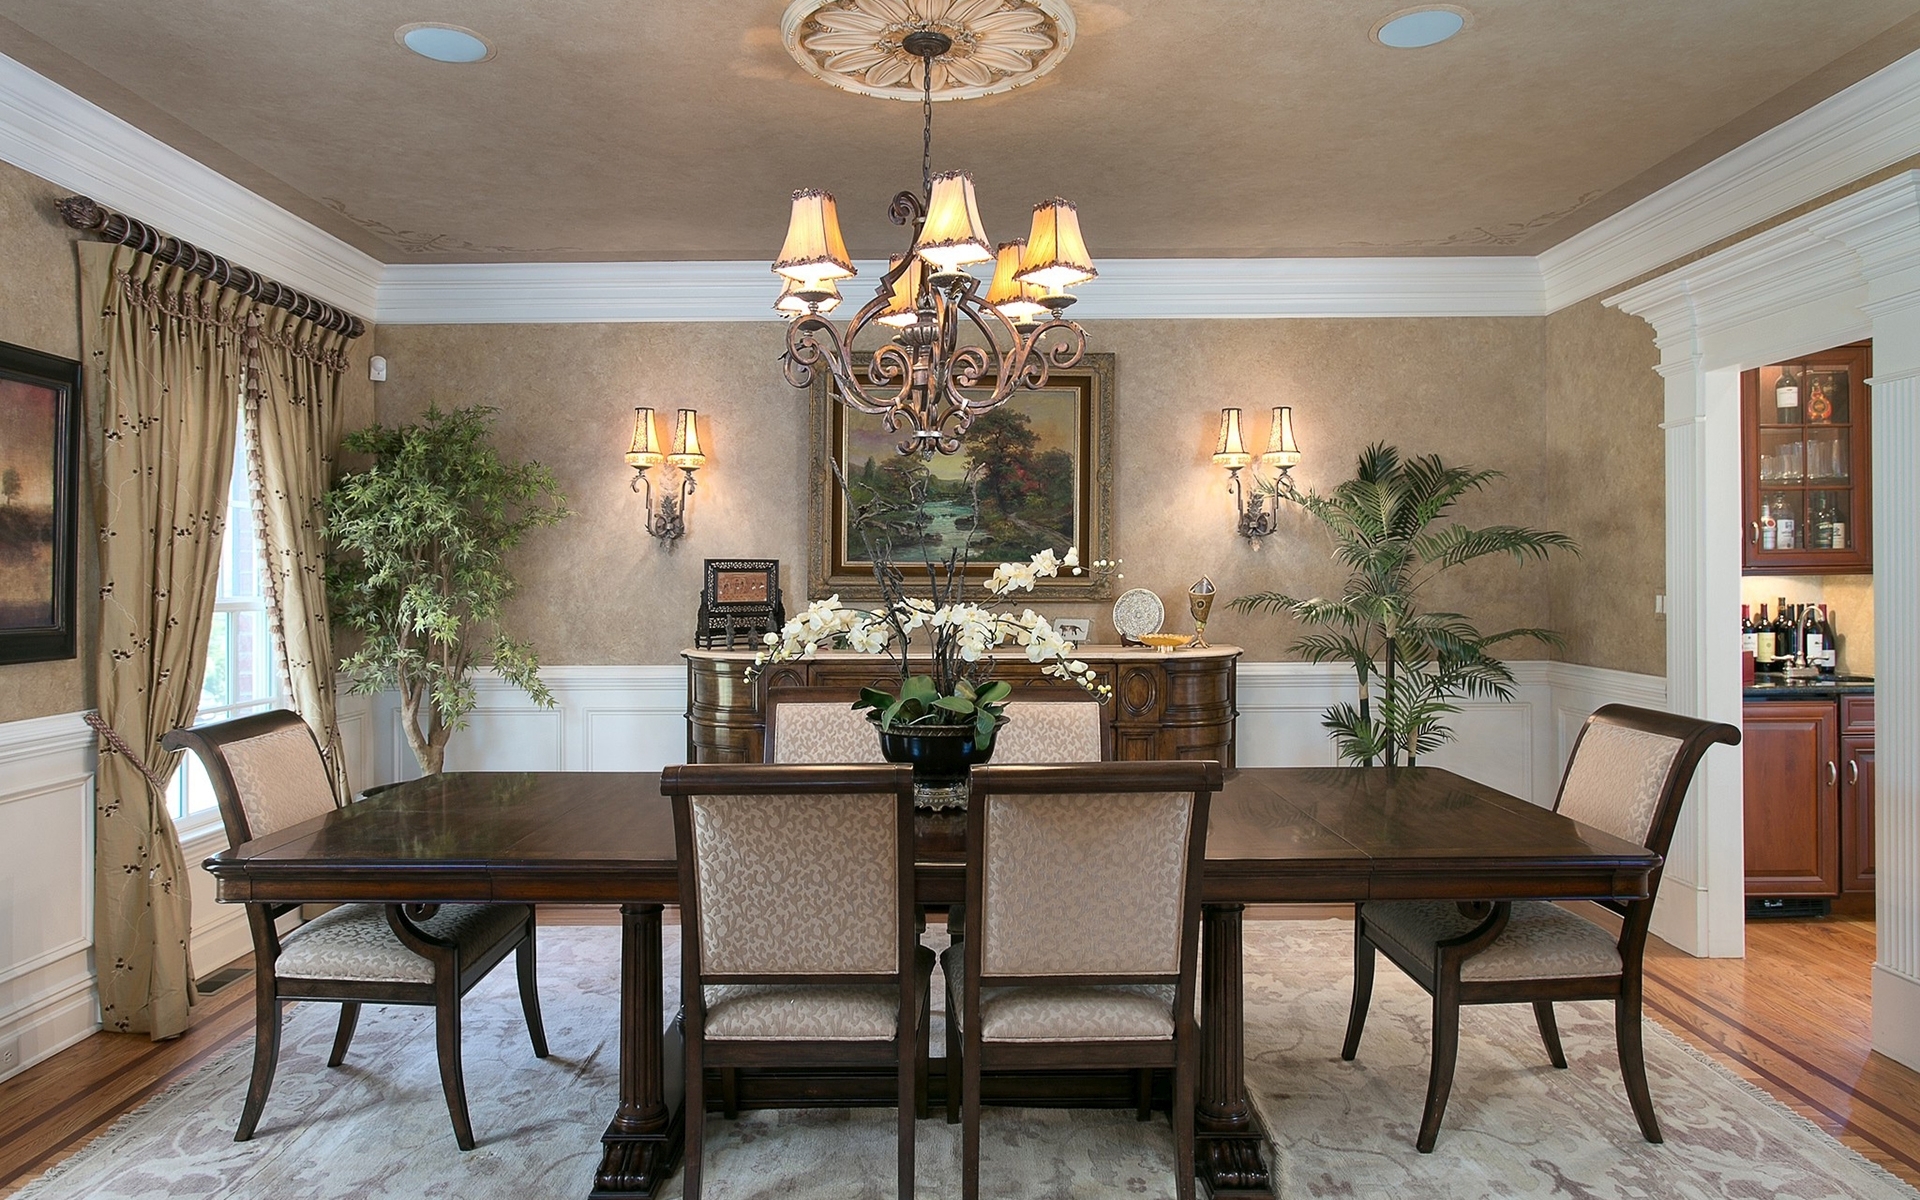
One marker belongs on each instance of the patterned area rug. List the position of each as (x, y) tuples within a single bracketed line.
[(377, 1127)]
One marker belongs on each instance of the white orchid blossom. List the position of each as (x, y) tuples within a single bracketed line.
[(968, 632)]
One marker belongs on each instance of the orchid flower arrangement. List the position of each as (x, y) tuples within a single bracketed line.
[(944, 647)]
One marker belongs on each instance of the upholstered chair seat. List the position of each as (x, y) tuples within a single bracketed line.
[(356, 941), (1084, 882), (1627, 777), (1541, 940), (267, 774), (1040, 1012), (798, 941)]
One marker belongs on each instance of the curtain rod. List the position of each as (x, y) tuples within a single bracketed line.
[(84, 214)]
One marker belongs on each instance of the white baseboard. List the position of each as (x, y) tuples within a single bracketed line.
[(1896, 1016)]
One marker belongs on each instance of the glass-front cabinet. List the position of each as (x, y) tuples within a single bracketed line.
[(1806, 473)]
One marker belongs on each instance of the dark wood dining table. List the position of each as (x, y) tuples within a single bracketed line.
[(1276, 835)]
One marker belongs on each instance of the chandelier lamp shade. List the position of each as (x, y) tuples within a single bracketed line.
[(942, 345)]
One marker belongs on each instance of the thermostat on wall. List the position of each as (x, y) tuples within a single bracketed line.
[(377, 369)]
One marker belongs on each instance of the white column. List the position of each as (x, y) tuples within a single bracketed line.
[(1888, 245), (1896, 632)]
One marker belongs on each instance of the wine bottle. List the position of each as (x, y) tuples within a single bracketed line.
[(1769, 536), (1786, 398), (1763, 642), (1749, 645), (1784, 532), (1815, 649), (1829, 652), (1837, 539), (1785, 640)]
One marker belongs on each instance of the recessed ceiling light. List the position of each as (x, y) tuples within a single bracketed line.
[(444, 43), (1419, 27)]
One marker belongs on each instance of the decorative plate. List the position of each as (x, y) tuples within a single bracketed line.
[(1137, 611)]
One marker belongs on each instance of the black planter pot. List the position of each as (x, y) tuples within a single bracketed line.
[(941, 756)]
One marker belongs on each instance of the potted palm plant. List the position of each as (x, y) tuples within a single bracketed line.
[(1411, 663)]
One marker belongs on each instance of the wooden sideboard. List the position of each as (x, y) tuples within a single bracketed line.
[(1177, 705)]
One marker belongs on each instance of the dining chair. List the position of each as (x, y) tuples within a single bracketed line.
[(267, 775), (1084, 882), (1055, 730), (798, 941), (817, 725), (1627, 776)]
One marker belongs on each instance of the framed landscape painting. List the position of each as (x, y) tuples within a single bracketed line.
[(39, 469), (1042, 477)]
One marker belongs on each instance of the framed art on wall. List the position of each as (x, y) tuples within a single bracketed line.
[(1043, 467), (39, 471)]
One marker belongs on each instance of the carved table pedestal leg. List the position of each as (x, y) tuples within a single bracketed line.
[(641, 1146), (1228, 1133)]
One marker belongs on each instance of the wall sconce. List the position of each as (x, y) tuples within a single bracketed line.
[(1282, 455), (669, 524)]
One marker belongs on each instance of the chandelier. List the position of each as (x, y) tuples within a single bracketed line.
[(953, 350)]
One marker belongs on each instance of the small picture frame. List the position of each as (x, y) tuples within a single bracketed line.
[(739, 603), (39, 475)]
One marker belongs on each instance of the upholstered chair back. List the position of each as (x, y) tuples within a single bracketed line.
[(1084, 883), (797, 884), (820, 731), (265, 769), (1050, 731), (1617, 777)]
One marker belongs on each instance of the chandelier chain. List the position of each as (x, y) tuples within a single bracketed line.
[(926, 134)]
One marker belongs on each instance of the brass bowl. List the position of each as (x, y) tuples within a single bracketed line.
[(1166, 643)]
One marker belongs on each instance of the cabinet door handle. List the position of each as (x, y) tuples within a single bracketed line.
[(1833, 774), (1853, 770), (1753, 536)]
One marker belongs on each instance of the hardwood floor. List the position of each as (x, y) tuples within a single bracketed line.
[(1793, 1018)]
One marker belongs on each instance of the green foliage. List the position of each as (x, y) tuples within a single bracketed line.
[(417, 565), (1411, 664), (920, 702)]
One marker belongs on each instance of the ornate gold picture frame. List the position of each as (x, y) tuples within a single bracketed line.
[(1050, 483)]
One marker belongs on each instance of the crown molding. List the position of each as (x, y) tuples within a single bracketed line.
[(71, 142), (1128, 289), (1851, 134)]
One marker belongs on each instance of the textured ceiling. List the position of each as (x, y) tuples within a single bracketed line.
[(674, 129)]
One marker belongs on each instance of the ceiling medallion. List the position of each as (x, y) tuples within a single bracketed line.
[(997, 45)]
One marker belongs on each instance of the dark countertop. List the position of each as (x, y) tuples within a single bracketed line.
[(1826, 687)]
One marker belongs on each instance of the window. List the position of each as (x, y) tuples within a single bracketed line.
[(243, 670)]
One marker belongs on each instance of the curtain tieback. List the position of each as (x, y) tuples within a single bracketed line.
[(118, 745)]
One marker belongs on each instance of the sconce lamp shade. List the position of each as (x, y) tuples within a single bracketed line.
[(1016, 300), (645, 451), (687, 454), (1281, 450), (814, 251), (902, 302), (797, 299), (1230, 451), (1055, 256), (952, 236)]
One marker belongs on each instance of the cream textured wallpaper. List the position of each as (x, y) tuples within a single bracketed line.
[(40, 308), (597, 590), (1606, 481)]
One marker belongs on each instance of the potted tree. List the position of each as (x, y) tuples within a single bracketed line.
[(418, 544), (1411, 663)]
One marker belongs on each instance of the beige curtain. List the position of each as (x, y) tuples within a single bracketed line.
[(165, 361), (293, 404)]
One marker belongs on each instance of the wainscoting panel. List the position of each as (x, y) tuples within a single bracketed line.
[(47, 1000)]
